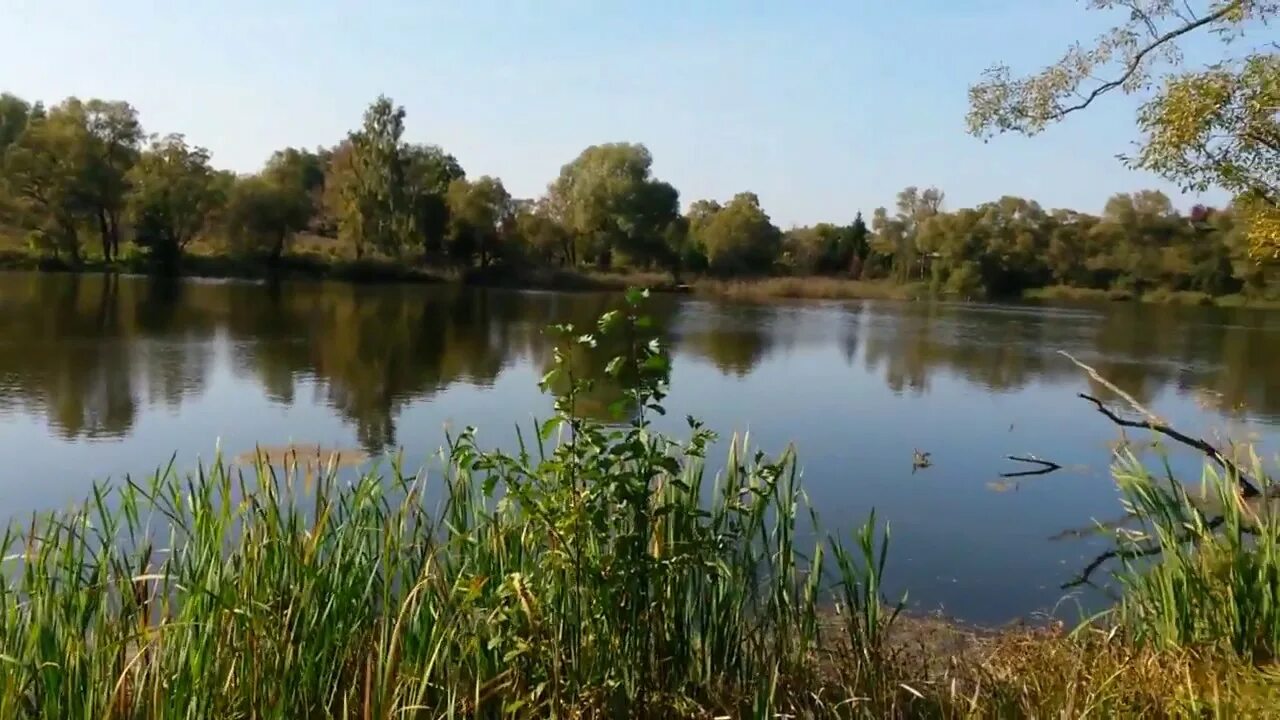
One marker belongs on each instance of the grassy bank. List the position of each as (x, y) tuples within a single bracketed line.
[(317, 266), (317, 257), (812, 288), (280, 596), (599, 571), (1167, 297)]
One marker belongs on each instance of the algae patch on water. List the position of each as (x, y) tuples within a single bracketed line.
[(303, 454)]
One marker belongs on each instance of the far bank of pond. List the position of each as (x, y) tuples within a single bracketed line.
[(381, 270)]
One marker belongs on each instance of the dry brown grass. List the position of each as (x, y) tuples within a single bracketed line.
[(1097, 674), (815, 288), (936, 669)]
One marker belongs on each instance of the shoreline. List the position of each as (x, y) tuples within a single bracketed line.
[(754, 289)]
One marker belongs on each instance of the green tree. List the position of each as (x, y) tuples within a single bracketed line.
[(47, 183), (478, 213), (263, 212), (1216, 125), (114, 139), (174, 192), (302, 170), (739, 237), (696, 220), (608, 199), (376, 208), (14, 113), (429, 170), (822, 248), (544, 240), (1068, 247), (897, 234)]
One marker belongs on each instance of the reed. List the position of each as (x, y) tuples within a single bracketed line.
[(1217, 579), (812, 288)]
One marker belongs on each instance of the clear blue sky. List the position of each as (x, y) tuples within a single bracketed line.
[(821, 108)]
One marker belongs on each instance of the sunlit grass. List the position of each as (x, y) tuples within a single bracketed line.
[(1217, 581), (278, 595), (814, 288)]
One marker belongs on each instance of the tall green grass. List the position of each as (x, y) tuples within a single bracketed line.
[(1216, 581), (598, 571)]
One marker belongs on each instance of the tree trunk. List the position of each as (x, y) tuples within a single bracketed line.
[(277, 251), (104, 230), (73, 245), (113, 231)]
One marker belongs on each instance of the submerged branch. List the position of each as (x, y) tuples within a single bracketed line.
[(1046, 467), (1248, 487), (1128, 553)]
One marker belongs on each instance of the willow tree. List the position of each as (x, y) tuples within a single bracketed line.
[(609, 200), (1217, 124)]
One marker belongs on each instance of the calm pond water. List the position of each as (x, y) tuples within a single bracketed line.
[(102, 376)]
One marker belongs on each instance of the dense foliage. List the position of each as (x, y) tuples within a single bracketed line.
[(85, 169)]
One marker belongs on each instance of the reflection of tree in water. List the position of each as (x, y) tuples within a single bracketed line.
[(851, 334), (1227, 355), (87, 350), (371, 350), (1141, 348), (368, 349), (69, 348), (735, 341)]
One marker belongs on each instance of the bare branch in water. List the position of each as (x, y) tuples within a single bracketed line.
[(1046, 467), (1098, 528), (1127, 553), (1248, 487)]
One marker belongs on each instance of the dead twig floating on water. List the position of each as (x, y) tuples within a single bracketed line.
[(1046, 467), (1247, 486)]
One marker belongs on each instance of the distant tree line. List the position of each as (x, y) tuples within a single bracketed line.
[(82, 180)]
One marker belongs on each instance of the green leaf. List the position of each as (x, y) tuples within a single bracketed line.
[(551, 376), (614, 368), (608, 320), (618, 408), (548, 427), (655, 364)]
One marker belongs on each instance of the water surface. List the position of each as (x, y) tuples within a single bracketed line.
[(102, 376)]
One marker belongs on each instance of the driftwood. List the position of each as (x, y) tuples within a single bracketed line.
[(1045, 468), (1248, 487)]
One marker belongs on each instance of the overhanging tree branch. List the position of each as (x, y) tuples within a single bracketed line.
[(1135, 63)]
